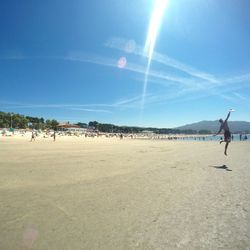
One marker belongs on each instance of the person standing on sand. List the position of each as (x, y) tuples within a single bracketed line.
[(54, 135), (227, 134), (32, 136)]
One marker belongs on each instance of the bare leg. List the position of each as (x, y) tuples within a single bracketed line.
[(226, 147)]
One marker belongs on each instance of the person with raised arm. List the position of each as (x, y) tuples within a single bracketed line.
[(227, 133)]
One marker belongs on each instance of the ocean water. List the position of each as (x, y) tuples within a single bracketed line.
[(236, 137)]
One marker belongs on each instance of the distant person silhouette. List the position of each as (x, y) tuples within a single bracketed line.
[(54, 135), (227, 134), (33, 137)]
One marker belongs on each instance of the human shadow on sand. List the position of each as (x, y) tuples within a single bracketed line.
[(222, 167)]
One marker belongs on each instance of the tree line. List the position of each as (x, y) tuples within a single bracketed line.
[(110, 128), (11, 120)]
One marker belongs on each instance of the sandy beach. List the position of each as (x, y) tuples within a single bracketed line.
[(106, 193)]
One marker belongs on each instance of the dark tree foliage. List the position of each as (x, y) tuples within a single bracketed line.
[(111, 128), (20, 121), (82, 124)]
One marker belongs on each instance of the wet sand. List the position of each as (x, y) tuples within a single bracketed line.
[(100, 193)]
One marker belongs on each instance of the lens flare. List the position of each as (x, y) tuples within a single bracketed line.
[(154, 26), (130, 46), (122, 62)]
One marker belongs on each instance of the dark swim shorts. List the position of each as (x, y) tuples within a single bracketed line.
[(227, 136)]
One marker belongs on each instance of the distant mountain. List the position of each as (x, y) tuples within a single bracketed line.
[(213, 126)]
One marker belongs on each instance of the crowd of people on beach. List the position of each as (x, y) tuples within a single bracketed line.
[(54, 134)]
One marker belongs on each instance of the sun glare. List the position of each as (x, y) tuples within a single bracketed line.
[(154, 26), (155, 23)]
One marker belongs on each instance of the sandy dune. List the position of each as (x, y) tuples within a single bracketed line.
[(99, 193)]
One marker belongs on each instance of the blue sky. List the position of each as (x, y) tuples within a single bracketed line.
[(86, 60)]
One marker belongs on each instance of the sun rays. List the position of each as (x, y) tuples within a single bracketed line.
[(154, 26)]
